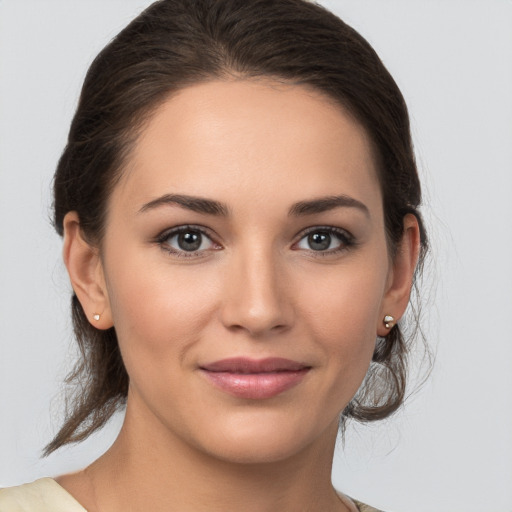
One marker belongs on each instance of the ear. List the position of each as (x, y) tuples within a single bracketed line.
[(86, 273), (401, 275)]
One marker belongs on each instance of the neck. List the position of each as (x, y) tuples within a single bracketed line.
[(149, 469)]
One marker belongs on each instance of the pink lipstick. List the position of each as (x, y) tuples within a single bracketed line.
[(255, 379)]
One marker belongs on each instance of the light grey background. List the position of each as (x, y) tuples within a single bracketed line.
[(450, 449)]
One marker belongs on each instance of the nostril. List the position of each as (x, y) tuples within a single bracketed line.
[(256, 330), (280, 327)]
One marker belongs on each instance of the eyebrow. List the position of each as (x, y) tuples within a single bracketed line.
[(195, 204), (212, 207), (323, 204)]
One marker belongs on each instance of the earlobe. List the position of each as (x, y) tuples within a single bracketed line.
[(401, 276), (85, 271)]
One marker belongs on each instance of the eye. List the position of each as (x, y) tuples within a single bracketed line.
[(325, 239), (186, 241)]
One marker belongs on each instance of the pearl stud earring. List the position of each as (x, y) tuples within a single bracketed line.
[(389, 321), (96, 317)]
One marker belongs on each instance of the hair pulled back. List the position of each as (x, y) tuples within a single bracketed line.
[(176, 43)]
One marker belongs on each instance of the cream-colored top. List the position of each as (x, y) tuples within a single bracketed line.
[(46, 495)]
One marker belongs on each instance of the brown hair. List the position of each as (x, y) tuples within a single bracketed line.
[(172, 44)]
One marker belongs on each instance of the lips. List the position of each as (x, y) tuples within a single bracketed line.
[(255, 379)]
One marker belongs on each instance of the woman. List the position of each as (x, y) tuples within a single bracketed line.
[(239, 205)]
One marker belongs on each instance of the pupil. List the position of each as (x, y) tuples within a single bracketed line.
[(189, 241), (319, 241)]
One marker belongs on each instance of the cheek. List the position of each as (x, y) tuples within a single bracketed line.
[(156, 309), (342, 309), (345, 301)]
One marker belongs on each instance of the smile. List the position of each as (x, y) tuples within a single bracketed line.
[(255, 379)]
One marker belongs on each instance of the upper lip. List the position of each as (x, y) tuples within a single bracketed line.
[(248, 365)]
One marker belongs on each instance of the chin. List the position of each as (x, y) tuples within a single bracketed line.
[(256, 452), (264, 442)]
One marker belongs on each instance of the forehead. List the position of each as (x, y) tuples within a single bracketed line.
[(269, 139)]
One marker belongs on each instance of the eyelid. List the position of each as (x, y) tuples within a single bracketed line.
[(167, 233), (349, 239), (321, 227)]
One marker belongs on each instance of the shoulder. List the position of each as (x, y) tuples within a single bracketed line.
[(354, 505), (361, 507), (44, 495)]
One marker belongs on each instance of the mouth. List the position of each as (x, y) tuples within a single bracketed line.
[(255, 379)]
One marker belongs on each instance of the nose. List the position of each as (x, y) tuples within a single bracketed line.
[(257, 298)]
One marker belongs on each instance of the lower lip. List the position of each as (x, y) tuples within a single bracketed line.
[(255, 386)]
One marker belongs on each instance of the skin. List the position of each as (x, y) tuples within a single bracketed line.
[(256, 288)]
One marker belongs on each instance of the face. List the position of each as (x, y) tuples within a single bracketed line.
[(246, 268)]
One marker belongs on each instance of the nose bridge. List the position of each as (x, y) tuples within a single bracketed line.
[(256, 298)]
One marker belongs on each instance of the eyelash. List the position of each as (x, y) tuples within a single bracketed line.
[(163, 238), (346, 239)]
